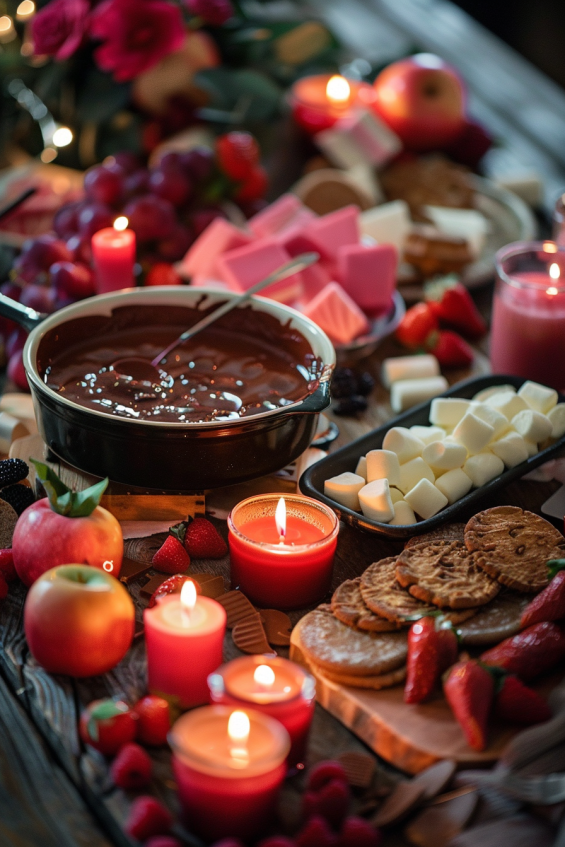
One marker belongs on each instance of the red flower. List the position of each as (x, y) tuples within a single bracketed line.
[(58, 29), (213, 12), (136, 35)]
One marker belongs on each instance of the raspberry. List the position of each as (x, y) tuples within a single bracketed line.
[(18, 496), (357, 832), (277, 841), (330, 802), (203, 541), (153, 720), (316, 833), (131, 769), (7, 565), (3, 587), (171, 557), (147, 817), (12, 470), (238, 154), (324, 772), (163, 841)]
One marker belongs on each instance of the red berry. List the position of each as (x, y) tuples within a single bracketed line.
[(107, 725), (103, 185), (131, 769), (173, 585), (518, 704), (254, 187), (332, 802), (153, 719), (203, 541), (171, 557), (173, 248), (147, 817), (163, 841), (357, 832), (324, 772), (7, 565), (316, 833), (202, 218), (237, 153), (3, 587), (162, 274)]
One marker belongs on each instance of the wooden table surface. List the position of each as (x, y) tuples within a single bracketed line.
[(53, 791)]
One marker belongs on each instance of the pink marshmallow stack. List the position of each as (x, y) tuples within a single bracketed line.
[(337, 314), (245, 266), (368, 275), (216, 239)]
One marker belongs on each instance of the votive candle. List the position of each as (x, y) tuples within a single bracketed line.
[(113, 255)]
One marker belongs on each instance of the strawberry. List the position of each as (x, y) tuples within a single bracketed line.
[(147, 817), (432, 648), (450, 349), (532, 652), (357, 832), (7, 565), (416, 326), (131, 769), (469, 690), (107, 725), (203, 541), (171, 557), (3, 587), (153, 719), (237, 154), (517, 703), (172, 585), (549, 605), (254, 187), (452, 304), (162, 274)]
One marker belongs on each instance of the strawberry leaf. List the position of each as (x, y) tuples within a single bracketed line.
[(64, 501), (554, 566), (178, 531)]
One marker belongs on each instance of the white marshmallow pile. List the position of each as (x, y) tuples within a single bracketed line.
[(420, 470), (412, 380)]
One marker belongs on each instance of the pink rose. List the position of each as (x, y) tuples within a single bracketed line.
[(136, 35), (58, 29), (213, 12)]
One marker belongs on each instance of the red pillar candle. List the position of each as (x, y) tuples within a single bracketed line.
[(282, 567), (273, 686), (319, 101), (184, 637), (113, 254), (229, 766)]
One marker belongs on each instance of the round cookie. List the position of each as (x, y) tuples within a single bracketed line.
[(341, 650), (496, 621), (514, 546), (449, 532), (445, 573), (349, 607), (385, 680)]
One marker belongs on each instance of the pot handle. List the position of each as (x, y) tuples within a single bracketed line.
[(315, 402), (22, 315)]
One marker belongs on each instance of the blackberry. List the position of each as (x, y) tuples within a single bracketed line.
[(350, 405), (12, 470), (344, 383), (18, 496), (365, 384)]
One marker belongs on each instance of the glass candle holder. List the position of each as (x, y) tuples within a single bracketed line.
[(528, 321), (274, 686), (276, 571), (317, 106), (227, 787), (559, 221)]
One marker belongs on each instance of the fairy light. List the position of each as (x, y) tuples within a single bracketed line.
[(62, 136), (25, 10)]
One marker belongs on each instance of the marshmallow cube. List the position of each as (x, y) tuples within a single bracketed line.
[(454, 484), (361, 468), (531, 447), (334, 230), (557, 418), (406, 393), (344, 489), (245, 266), (336, 313), (532, 425), (507, 403), (275, 216), (375, 501), (387, 224), (368, 274), (538, 397), (412, 472), (448, 411), (444, 457), (483, 396), (461, 223), (395, 495), (403, 514), (511, 449), (473, 433), (489, 415), (428, 434), (401, 441), (483, 467), (425, 499), (383, 464), (218, 237), (408, 367)]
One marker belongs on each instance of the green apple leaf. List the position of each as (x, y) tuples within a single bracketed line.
[(64, 501), (85, 502)]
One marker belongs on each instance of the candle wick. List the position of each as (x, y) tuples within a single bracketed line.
[(185, 614)]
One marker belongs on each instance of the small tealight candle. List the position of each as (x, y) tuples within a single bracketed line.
[(319, 101), (275, 687), (282, 549), (113, 254), (184, 636), (229, 766)]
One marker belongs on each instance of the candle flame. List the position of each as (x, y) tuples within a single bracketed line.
[(188, 595), (25, 9), (238, 728), (338, 90), (264, 675), (121, 223), (554, 271), (280, 517)]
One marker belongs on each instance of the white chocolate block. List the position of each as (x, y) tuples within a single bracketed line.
[(425, 499), (387, 224), (403, 514), (532, 425), (529, 186), (428, 434), (402, 442), (448, 411), (365, 179), (507, 403), (412, 472), (383, 464), (557, 418), (361, 468), (483, 467), (492, 416), (408, 367), (482, 396), (341, 149), (345, 489), (454, 484), (406, 393), (444, 456), (511, 449), (395, 494), (375, 501), (469, 224), (540, 398), (473, 433)]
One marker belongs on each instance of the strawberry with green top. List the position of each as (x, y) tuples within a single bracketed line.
[(469, 690), (432, 648), (107, 725), (518, 704), (452, 305), (530, 653), (549, 605)]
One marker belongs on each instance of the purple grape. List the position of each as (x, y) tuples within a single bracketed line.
[(38, 297), (16, 341), (202, 218), (150, 217), (171, 185), (170, 161), (173, 248), (80, 248), (42, 251), (198, 163), (16, 372), (92, 217), (72, 281), (126, 160), (103, 185), (10, 289), (136, 183), (65, 222)]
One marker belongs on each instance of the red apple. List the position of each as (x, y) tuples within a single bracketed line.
[(422, 99), (78, 620)]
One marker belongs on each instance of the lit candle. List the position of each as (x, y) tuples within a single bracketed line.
[(229, 767), (318, 102), (282, 561), (113, 254), (184, 636), (273, 686)]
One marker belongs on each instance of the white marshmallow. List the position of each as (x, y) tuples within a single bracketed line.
[(448, 411), (389, 223), (401, 441), (395, 495), (454, 484), (511, 449), (361, 468), (412, 472), (403, 514), (375, 501), (444, 456), (344, 488), (406, 393), (483, 396), (428, 434), (473, 433), (483, 467), (507, 403), (532, 425), (408, 367), (426, 499), (462, 223), (531, 447), (538, 397), (493, 417), (383, 464), (557, 418)]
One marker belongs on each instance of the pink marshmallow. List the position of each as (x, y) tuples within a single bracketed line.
[(217, 238), (368, 274), (314, 279), (243, 267), (332, 231), (337, 314), (276, 216)]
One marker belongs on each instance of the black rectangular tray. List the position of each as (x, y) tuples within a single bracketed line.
[(345, 459)]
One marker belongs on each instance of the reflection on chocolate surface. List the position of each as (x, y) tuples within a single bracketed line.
[(245, 364)]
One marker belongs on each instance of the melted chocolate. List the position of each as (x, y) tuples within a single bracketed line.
[(244, 364)]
